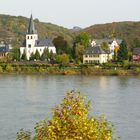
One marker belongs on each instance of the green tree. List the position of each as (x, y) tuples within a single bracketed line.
[(51, 56), (24, 57), (15, 53), (83, 39), (45, 55), (105, 46), (123, 52), (61, 45), (79, 53), (37, 55), (62, 59), (32, 57)]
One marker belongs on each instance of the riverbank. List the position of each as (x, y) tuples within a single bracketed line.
[(55, 69)]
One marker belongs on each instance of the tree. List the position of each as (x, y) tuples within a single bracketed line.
[(123, 52), (32, 57), (16, 53), (83, 39), (37, 55), (51, 56), (61, 45), (71, 121), (24, 57), (105, 46), (79, 52), (62, 59), (45, 55)]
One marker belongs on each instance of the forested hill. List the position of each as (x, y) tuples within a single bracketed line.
[(123, 30), (14, 28)]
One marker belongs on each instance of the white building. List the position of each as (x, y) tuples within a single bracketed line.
[(112, 43), (96, 55), (32, 43)]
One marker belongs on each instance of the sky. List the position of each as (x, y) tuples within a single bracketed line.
[(70, 13)]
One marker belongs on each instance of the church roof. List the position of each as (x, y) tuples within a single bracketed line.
[(31, 27), (44, 42)]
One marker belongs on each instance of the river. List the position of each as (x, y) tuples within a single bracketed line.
[(28, 99)]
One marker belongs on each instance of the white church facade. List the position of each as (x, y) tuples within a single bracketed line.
[(33, 43)]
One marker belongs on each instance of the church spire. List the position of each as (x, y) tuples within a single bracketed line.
[(31, 28)]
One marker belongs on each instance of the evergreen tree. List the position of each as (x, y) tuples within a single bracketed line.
[(123, 52), (16, 54), (37, 55), (24, 57), (32, 57), (45, 55)]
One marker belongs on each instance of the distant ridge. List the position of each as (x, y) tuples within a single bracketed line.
[(13, 28), (127, 30)]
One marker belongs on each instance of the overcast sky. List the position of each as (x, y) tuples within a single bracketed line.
[(69, 13)]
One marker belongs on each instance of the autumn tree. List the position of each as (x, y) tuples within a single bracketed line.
[(71, 121), (62, 59)]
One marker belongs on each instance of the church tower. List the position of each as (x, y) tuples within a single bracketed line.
[(31, 38)]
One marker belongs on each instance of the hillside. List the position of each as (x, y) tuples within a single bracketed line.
[(14, 28), (122, 30)]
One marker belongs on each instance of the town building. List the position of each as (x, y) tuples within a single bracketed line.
[(33, 43), (96, 55), (4, 49), (112, 43), (136, 55)]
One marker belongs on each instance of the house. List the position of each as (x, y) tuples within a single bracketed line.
[(112, 43), (136, 55), (4, 49), (33, 43), (96, 55)]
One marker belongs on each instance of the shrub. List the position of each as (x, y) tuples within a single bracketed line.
[(71, 121), (9, 68), (1, 69)]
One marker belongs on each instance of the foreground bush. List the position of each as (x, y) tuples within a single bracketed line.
[(71, 121)]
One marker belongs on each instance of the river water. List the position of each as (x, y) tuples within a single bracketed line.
[(28, 99)]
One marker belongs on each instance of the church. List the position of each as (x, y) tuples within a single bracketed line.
[(33, 43)]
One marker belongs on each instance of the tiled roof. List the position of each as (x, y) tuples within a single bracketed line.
[(136, 51), (95, 50), (44, 42), (31, 28)]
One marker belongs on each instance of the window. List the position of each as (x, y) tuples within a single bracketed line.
[(28, 37), (29, 45), (31, 37)]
